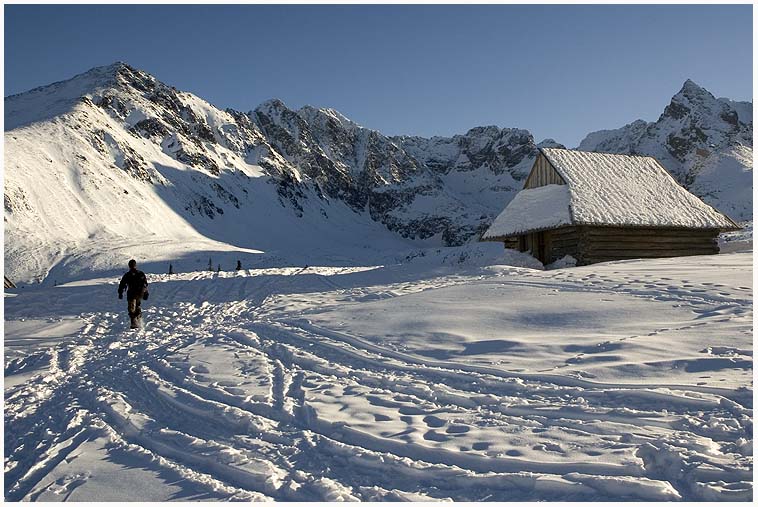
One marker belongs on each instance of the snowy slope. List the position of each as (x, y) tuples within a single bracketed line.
[(625, 381), (705, 142), (128, 167)]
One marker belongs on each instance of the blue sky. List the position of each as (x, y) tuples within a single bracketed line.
[(560, 71)]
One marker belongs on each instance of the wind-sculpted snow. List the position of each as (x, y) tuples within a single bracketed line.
[(424, 380)]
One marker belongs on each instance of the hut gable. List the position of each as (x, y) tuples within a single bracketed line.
[(543, 173), (603, 190)]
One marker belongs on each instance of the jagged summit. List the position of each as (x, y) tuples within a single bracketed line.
[(691, 86), (313, 113)]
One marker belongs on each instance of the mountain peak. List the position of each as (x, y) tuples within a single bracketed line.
[(58, 98), (693, 91), (313, 114), (689, 84), (272, 104)]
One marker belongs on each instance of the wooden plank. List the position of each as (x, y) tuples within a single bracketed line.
[(659, 253), (647, 246), (647, 243), (635, 232), (649, 239), (631, 245)]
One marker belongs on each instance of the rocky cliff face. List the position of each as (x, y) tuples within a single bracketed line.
[(705, 142), (446, 187)]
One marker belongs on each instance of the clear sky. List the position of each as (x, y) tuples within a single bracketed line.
[(559, 71)]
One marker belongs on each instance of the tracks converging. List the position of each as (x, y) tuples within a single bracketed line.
[(270, 431)]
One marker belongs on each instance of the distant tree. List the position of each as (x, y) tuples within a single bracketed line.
[(218, 270), (239, 265), (170, 269), (210, 264)]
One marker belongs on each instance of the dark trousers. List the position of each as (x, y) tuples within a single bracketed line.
[(135, 311)]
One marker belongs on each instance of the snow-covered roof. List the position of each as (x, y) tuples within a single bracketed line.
[(607, 190), (533, 209)]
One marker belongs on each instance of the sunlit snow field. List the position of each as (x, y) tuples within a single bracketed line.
[(628, 380)]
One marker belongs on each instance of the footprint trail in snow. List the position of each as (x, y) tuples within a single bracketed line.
[(622, 381)]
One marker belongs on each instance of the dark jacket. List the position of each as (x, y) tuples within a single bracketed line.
[(137, 283)]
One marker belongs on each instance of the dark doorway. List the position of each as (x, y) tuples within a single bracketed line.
[(541, 247)]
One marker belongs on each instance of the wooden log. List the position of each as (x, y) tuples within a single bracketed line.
[(565, 230), (633, 232), (647, 246), (648, 253), (649, 240), (673, 237), (649, 243), (565, 238)]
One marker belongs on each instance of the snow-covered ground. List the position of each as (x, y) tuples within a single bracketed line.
[(447, 376)]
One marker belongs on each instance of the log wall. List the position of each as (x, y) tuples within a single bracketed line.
[(599, 244), (561, 242), (588, 244)]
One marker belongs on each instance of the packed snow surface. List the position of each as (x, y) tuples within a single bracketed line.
[(451, 375)]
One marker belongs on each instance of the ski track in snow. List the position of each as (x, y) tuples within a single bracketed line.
[(237, 390)]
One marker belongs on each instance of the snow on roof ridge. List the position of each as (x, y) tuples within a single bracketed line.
[(600, 152)]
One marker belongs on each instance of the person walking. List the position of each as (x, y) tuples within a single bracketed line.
[(135, 283)]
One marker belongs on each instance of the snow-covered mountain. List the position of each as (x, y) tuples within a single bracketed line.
[(449, 187), (113, 163), (112, 160), (705, 142)]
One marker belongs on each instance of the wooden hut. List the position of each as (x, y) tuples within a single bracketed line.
[(599, 207)]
